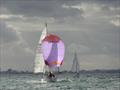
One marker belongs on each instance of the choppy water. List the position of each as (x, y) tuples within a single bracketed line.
[(99, 81)]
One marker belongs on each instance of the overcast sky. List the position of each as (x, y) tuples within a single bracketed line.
[(89, 27)]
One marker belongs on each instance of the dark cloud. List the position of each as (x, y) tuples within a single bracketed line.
[(114, 3), (43, 8), (7, 34), (51, 8)]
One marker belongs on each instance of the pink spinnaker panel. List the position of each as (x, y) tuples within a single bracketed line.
[(53, 52)]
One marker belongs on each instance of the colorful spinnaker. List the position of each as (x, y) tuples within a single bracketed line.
[(53, 50)]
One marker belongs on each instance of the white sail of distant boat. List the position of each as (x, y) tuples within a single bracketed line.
[(39, 61), (75, 66)]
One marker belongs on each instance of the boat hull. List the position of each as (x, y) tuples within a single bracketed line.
[(53, 79)]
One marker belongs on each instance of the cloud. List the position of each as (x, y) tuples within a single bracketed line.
[(78, 48), (10, 35), (29, 23), (14, 49), (38, 8), (86, 8), (30, 15), (116, 22), (114, 8), (5, 16), (28, 50), (7, 34)]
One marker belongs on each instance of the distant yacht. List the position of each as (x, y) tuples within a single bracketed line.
[(75, 66)]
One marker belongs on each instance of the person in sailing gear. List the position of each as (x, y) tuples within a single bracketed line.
[(51, 75)]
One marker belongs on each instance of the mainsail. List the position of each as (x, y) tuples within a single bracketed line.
[(39, 60)]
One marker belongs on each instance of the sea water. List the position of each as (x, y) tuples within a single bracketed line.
[(89, 81)]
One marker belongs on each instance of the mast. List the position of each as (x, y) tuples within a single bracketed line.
[(46, 28), (58, 69), (75, 66)]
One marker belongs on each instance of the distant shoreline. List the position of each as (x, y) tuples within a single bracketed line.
[(10, 71)]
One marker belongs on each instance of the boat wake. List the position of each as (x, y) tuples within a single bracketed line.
[(64, 80), (37, 81)]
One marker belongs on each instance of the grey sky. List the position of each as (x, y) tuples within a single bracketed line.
[(91, 27)]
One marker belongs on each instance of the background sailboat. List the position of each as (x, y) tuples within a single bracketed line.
[(75, 66), (39, 65)]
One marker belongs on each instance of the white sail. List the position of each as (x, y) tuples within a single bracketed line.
[(75, 65), (39, 61)]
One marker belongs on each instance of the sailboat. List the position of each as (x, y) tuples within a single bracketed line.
[(53, 50), (75, 66), (50, 53)]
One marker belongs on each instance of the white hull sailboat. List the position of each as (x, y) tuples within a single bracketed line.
[(39, 65), (75, 66)]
